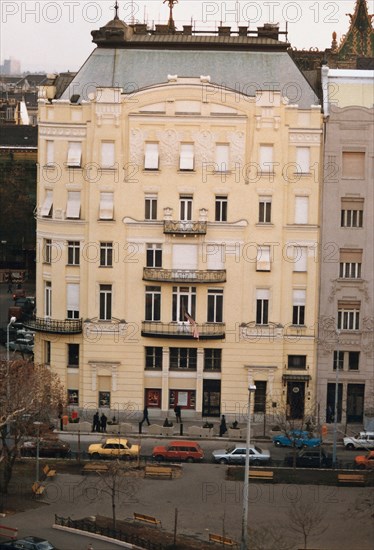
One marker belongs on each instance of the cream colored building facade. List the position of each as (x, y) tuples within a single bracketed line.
[(178, 231)]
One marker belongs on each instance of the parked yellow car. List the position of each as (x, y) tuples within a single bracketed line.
[(114, 447)]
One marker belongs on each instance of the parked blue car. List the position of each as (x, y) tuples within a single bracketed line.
[(296, 438)]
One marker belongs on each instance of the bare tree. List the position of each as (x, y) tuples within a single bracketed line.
[(28, 392), (269, 537), (306, 519)]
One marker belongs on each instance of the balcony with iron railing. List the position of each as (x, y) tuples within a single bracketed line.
[(183, 331), (184, 275), (54, 326), (185, 227)]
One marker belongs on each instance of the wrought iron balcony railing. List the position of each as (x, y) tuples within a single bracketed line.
[(184, 275), (184, 331), (184, 227), (67, 326)]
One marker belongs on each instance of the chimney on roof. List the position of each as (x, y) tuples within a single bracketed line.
[(269, 30), (187, 29), (224, 31), (140, 28), (243, 31)]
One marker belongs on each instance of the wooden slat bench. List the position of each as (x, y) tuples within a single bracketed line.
[(48, 472), (261, 474), (95, 468), (356, 479), (147, 519), (158, 471), (221, 540), (37, 489)]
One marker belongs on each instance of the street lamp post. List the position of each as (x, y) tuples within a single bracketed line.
[(37, 424), (11, 322), (244, 539), (335, 439)]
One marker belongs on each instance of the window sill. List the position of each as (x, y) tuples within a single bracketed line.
[(73, 265), (105, 266)]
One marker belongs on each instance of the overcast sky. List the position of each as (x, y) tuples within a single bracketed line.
[(54, 36)]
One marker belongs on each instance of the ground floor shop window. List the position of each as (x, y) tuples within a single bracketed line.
[(186, 399), (73, 397), (153, 398), (104, 399)]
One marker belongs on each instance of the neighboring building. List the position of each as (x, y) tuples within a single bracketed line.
[(347, 283), (176, 190), (11, 66)]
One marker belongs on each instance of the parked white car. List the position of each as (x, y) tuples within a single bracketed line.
[(236, 455), (362, 440)]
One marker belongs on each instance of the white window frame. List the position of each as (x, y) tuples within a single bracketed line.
[(186, 160), (47, 299), (74, 158), (150, 207), (72, 301), (106, 254), (215, 304), (185, 208), (152, 303), (221, 204), (352, 218), (298, 307), (151, 156), (263, 258), (47, 207), (73, 252), (301, 209), (47, 251), (105, 302), (154, 255), (106, 208), (107, 154), (262, 306), (264, 210), (73, 207), (348, 319), (184, 301), (350, 270)]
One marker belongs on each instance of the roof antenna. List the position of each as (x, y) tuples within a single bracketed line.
[(116, 10)]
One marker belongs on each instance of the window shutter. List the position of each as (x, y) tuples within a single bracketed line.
[(222, 157), (353, 164), (263, 258), (350, 255), (74, 153), (300, 258), (266, 158), (72, 297), (215, 256), (301, 209), (184, 256), (151, 156), (73, 209), (303, 160), (186, 157), (47, 204), (107, 154), (298, 297), (262, 294), (106, 206), (50, 152)]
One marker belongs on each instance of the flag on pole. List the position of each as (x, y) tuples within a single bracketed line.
[(193, 324)]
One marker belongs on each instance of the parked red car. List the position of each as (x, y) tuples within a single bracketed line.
[(177, 451)]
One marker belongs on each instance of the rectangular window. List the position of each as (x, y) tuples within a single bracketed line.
[(184, 301), (266, 158), (215, 305), (154, 255), (73, 207), (151, 207), (47, 207), (73, 397), (221, 209), (151, 158), (339, 360), (182, 358), (104, 399), (105, 299), (74, 154), (106, 206), (348, 316), (106, 254), (264, 210), (73, 355), (47, 251), (303, 160), (298, 307), (297, 362), (186, 399), (185, 208), (47, 352), (152, 303), (72, 301), (260, 397), (300, 258), (50, 152), (186, 161), (263, 258), (353, 360), (222, 157), (350, 263), (352, 212), (153, 358), (48, 299), (73, 252), (107, 154), (212, 359), (301, 209), (262, 306), (353, 165)]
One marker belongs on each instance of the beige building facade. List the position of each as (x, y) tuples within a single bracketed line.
[(346, 340), (178, 227)]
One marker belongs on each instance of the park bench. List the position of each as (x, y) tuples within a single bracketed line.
[(159, 471), (37, 488), (147, 519), (221, 540), (352, 478), (95, 468), (261, 474), (48, 472)]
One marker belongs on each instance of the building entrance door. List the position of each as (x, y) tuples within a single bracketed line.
[(211, 397), (295, 399)]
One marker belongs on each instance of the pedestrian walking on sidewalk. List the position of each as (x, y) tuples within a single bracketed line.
[(222, 426), (145, 416), (178, 414)]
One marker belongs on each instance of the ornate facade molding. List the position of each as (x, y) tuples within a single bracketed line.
[(56, 131)]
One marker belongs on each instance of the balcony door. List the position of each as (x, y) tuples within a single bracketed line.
[(184, 301)]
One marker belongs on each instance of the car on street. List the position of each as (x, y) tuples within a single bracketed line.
[(362, 440), (365, 462), (309, 458), (30, 543), (115, 447), (296, 438), (179, 451), (237, 455), (48, 448)]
